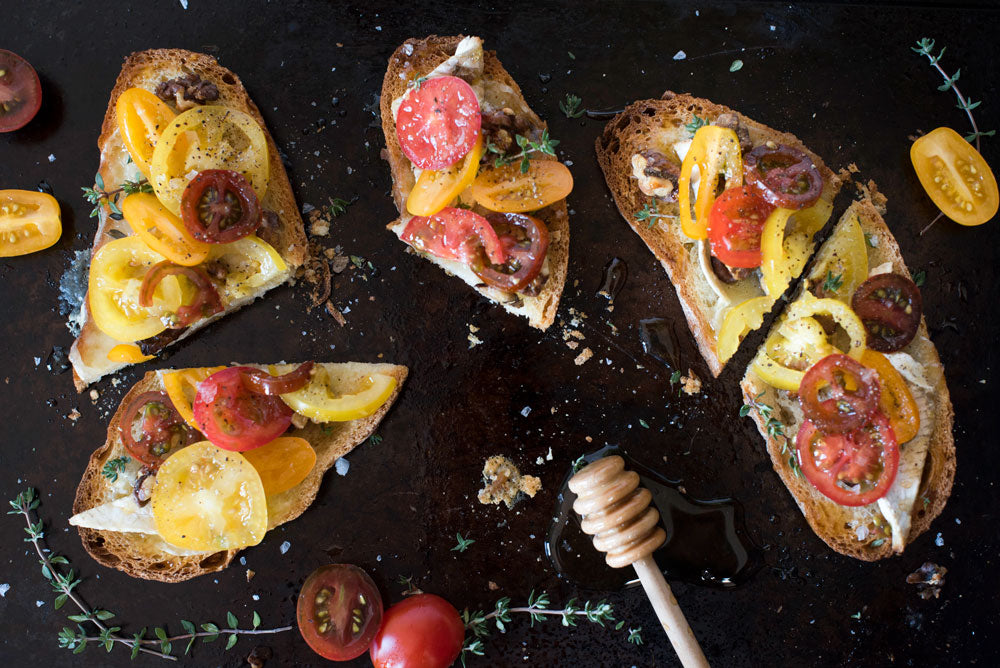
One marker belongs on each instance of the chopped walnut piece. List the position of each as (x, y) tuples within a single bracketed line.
[(503, 482)]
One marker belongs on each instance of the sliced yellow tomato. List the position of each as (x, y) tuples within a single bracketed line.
[(283, 463), (811, 220), (842, 315), (782, 258), (116, 273), (846, 261), (128, 353), (716, 152), (955, 176), (895, 400), (141, 118), (29, 221), (207, 499), (182, 386), (436, 188), (163, 231), (335, 394), (741, 319), (251, 264), (208, 137), (509, 190)]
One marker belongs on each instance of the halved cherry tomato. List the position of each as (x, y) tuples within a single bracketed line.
[(116, 276), (208, 137), (507, 189), (219, 206), (182, 387), (128, 353), (29, 221), (439, 122), (716, 152), (525, 241), (846, 255), (454, 234), (151, 430), (141, 118), (895, 398), (839, 394), (735, 223), (782, 256), (264, 383), (421, 631), (784, 176), (162, 231), (206, 300), (209, 499), (339, 611), (235, 418), (740, 319), (851, 469), (20, 91), (889, 305), (437, 188), (956, 177), (250, 265), (283, 463), (337, 393)]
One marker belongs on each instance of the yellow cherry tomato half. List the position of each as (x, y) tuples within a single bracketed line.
[(208, 137), (116, 273), (127, 353), (141, 118), (741, 319), (955, 176), (163, 231), (507, 189), (895, 400), (283, 463), (336, 393), (845, 260), (715, 151), (436, 188), (182, 386), (209, 499), (29, 221), (251, 264), (790, 350)]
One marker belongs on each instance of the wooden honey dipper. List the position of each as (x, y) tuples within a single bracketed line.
[(617, 514)]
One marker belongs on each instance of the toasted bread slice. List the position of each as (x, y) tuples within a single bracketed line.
[(660, 125), (927, 462), (146, 69), (148, 556), (417, 57)]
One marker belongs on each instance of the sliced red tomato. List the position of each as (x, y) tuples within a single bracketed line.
[(525, 241), (784, 176), (264, 383), (220, 206), (889, 305), (853, 468), (956, 177), (839, 393), (206, 301), (20, 91), (735, 224), (339, 611), (234, 417), (151, 429), (438, 122), (454, 234), (421, 631)]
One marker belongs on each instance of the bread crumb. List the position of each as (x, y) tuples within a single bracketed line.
[(503, 482), (474, 341), (577, 334), (250, 574), (853, 168), (493, 586), (690, 384), (572, 345), (473, 328), (73, 415), (583, 356), (93, 395), (299, 421), (337, 315)]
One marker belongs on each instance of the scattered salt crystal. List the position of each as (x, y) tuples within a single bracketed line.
[(284, 547), (939, 541), (526, 411), (255, 597), (52, 157), (39, 604), (342, 466), (4, 588), (680, 55)]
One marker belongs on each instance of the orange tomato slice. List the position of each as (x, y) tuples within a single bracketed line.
[(506, 189), (127, 353), (283, 463), (182, 386), (436, 188), (29, 222), (895, 400), (141, 118), (163, 231)]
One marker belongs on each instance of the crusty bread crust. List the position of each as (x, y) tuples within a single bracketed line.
[(659, 124), (827, 519), (145, 69), (132, 554), (416, 57)]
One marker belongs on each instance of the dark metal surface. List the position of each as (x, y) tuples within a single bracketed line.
[(842, 78)]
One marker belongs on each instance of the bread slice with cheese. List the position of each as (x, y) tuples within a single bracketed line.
[(285, 233), (496, 90), (927, 461), (667, 126), (119, 533)]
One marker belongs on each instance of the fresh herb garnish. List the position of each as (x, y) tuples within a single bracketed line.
[(543, 145), (98, 195), (833, 283), (925, 47), (919, 278), (675, 378), (697, 123), (571, 56), (635, 635), (374, 439), (736, 66), (571, 106), (877, 542), (772, 425), (643, 423), (871, 240), (418, 82), (463, 543), (650, 215), (579, 463), (338, 206), (113, 467)]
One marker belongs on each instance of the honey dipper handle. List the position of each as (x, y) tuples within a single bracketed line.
[(669, 613)]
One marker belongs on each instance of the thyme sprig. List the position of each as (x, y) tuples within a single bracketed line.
[(64, 583), (571, 106), (832, 282), (477, 623), (925, 47), (99, 195), (463, 543), (544, 145), (774, 427), (649, 215), (697, 123), (113, 467)]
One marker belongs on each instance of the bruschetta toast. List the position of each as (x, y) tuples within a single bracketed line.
[(191, 184)]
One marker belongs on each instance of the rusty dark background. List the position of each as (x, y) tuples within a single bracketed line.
[(842, 77)]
